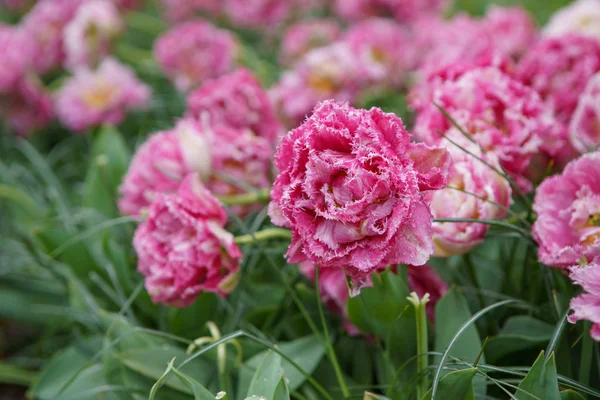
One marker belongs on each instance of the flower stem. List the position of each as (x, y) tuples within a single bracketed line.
[(266, 234), (330, 350), (259, 196), (422, 343)]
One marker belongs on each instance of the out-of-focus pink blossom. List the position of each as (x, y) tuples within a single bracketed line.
[(499, 113), (28, 107), (90, 98), (127, 4), (512, 29), (402, 10), (258, 13), (474, 191), (423, 279), (380, 41), (305, 36), (181, 10), (585, 125), (330, 72), (587, 305), (162, 162), (567, 228), (580, 17), (16, 52), (44, 26), (229, 161), (559, 69), (183, 249), (88, 37), (351, 187), (194, 51), (238, 100)]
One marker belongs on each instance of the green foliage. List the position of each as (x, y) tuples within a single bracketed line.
[(541, 381)]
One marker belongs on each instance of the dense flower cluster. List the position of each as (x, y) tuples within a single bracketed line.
[(352, 189), (101, 96), (183, 249), (584, 128), (194, 51)]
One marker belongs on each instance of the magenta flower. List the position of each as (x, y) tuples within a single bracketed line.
[(512, 29), (258, 13), (567, 228), (162, 162), (90, 98), (183, 249), (229, 161), (474, 191), (181, 10), (16, 53), (402, 10), (89, 35), (194, 51), (587, 305), (499, 113), (238, 100), (306, 35), (28, 107), (580, 17), (559, 69), (351, 187), (585, 125), (44, 25)]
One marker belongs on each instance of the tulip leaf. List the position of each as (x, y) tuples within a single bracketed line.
[(456, 385), (541, 381)]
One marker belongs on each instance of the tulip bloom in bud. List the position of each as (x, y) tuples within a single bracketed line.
[(352, 189), (183, 249), (474, 191), (568, 213)]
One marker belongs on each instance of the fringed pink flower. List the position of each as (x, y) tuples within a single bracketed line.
[(474, 191), (183, 249), (237, 100), (28, 107), (402, 10), (44, 25), (306, 35), (194, 51), (104, 96), (162, 162), (512, 29), (580, 17), (89, 35), (585, 125), (567, 228), (497, 112), (351, 187), (587, 305)]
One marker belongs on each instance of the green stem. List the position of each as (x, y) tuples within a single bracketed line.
[(586, 356), (266, 234), (422, 342), (259, 196), (22, 199), (13, 375), (330, 350)]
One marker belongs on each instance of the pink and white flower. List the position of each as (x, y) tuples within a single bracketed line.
[(194, 51), (587, 305), (474, 191), (238, 100), (306, 35), (512, 29), (183, 249), (89, 35), (258, 13), (181, 10), (584, 129), (352, 189), (90, 98), (567, 228), (499, 113), (16, 53), (580, 17)]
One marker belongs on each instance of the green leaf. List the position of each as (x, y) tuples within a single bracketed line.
[(306, 352), (570, 395), (14, 375), (109, 162), (267, 376), (282, 391), (519, 333), (451, 312), (199, 391), (456, 385), (541, 382)]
